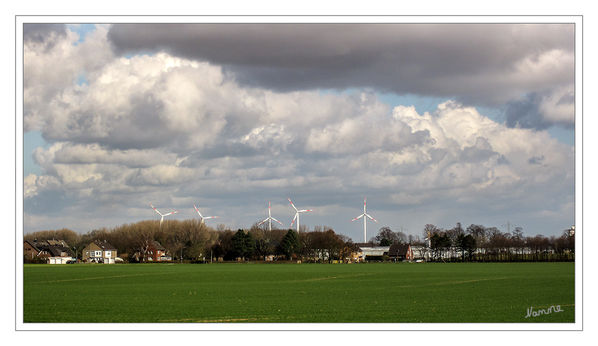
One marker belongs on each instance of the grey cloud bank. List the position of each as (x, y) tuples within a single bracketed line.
[(182, 127), (479, 64)]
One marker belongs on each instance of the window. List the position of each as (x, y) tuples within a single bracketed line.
[(98, 254)]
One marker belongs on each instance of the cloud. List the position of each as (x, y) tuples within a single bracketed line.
[(542, 110), (476, 63), (50, 69), (169, 130), (43, 33)]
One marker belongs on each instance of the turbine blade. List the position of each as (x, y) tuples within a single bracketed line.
[(304, 210), (277, 221), (371, 217), (294, 219), (292, 204), (262, 222), (357, 218), (156, 210), (198, 212)]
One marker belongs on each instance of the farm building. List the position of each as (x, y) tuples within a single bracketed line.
[(371, 252), (417, 253), (99, 252), (408, 252)]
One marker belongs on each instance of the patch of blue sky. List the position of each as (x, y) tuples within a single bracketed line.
[(563, 135), (82, 30), (82, 79), (140, 53), (422, 104), (31, 141)]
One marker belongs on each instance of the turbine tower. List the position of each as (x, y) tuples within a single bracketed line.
[(162, 215), (297, 212), (203, 217), (365, 229), (269, 219)]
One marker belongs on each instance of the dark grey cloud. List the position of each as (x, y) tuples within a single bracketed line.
[(41, 32), (476, 63)]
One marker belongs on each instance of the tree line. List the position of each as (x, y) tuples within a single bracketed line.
[(480, 243), (193, 241)]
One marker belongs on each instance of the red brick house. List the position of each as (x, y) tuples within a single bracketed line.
[(30, 251), (156, 251), (398, 252)]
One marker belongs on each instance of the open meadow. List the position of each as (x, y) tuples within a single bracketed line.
[(250, 292)]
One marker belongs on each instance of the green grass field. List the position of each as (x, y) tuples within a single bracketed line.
[(373, 292)]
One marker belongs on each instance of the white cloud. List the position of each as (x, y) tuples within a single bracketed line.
[(559, 106), (33, 184)]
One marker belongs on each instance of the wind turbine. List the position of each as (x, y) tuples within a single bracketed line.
[(269, 219), (204, 217), (162, 215), (297, 212), (364, 220)]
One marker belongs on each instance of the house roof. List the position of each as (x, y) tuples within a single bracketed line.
[(104, 245), (158, 246), (57, 243), (56, 251), (32, 245), (40, 243), (398, 250)]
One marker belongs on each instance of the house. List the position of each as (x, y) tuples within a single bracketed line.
[(54, 251), (30, 251), (99, 252), (398, 252), (155, 253)]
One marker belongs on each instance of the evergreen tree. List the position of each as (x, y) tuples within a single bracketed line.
[(238, 245), (290, 243)]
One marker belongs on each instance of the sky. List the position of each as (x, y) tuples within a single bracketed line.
[(433, 123)]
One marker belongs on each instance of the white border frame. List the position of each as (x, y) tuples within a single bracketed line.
[(94, 19)]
